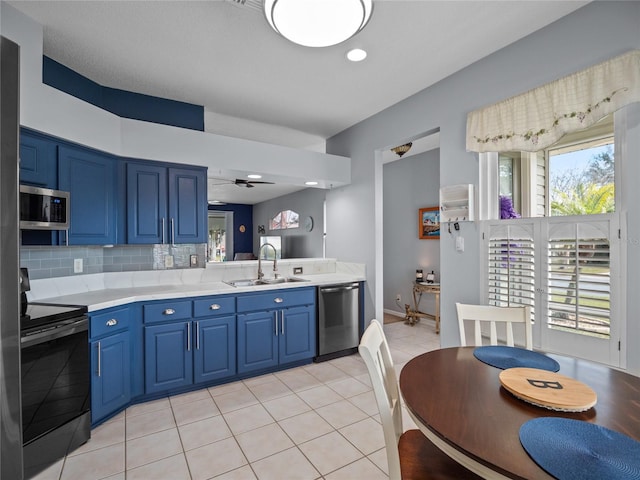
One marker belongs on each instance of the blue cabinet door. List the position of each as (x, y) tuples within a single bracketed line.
[(297, 334), (187, 205), (111, 375), (168, 356), (214, 354), (38, 160), (146, 203), (89, 176), (257, 341)]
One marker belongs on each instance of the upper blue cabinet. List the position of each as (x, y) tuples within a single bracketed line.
[(38, 160), (166, 204), (90, 177)]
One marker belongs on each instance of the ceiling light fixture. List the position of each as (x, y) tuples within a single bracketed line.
[(356, 55), (310, 183), (317, 23), (401, 149), (254, 175)]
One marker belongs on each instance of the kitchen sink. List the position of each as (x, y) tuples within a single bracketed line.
[(251, 282)]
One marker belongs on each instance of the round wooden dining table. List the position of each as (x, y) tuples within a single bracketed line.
[(457, 401)]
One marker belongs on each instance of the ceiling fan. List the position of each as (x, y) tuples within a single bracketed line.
[(241, 182)]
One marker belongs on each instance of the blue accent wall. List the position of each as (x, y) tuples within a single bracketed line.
[(242, 215), (120, 102)]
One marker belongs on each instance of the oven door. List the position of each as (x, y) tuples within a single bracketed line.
[(55, 393)]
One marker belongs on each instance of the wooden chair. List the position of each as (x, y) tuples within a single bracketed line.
[(410, 455), (483, 314)]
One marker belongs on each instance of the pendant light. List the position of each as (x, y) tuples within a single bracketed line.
[(317, 23)]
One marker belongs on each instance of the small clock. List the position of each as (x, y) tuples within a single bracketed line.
[(308, 224)]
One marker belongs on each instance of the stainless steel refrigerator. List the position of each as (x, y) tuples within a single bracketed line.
[(10, 415)]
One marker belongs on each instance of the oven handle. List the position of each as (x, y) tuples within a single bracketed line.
[(81, 325)]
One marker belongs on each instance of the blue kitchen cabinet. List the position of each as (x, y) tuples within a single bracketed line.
[(276, 328), (297, 340), (38, 160), (189, 341), (166, 204), (187, 205), (257, 340), (214, 355), (168, 356), (90, 177), (110, 362), (146, 203)]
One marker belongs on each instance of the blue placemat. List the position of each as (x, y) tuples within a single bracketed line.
[(503, 357), (576, 450)]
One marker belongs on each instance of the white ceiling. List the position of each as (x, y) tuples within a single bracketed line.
[(257, 85)]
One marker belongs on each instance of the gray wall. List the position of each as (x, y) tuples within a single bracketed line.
[(297, 242), (592, 34), (408, 185)]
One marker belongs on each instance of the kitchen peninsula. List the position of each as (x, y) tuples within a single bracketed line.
[(163, 332)]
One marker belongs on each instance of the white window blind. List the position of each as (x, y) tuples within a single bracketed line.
[(511, 267), (579, 278)]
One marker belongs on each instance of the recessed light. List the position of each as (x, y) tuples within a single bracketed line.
[(356, 55), (254, 175), (311, 183)]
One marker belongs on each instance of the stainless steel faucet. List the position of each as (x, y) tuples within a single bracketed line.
[(275, 260)]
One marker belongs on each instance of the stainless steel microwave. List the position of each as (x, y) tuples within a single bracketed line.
[(43, 208)]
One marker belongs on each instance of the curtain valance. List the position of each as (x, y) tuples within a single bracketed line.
[(538, 118)]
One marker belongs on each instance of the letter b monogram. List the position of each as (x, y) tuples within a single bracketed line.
[(545, 384)]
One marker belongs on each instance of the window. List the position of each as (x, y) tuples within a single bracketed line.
[(284, 220), (581, 178), (576, 176)]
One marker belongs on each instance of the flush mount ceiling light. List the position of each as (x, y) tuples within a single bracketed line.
[(402, 149), (311, 183), (356, 55), (317, 23), (254, 176)]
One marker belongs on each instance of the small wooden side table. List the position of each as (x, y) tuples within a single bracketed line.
[(418, 290)]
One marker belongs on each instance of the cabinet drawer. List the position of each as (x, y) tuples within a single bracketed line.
[(103, 323), (166, 311), (276, 299), (210, 306)]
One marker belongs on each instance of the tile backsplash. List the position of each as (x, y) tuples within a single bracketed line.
[(50, 262)]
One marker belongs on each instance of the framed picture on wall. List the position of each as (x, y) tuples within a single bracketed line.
[(429, 223)]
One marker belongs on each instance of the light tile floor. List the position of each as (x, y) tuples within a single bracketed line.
[(319, 421)]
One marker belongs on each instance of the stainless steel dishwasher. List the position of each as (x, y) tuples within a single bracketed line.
[(338, 320)]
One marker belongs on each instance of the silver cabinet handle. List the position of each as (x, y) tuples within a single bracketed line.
[(163, 229), (197, 335), (275, 319), (282, 322), (188, 336), (278, 300), (169, 311), (214, 306), (99, 360), (112, 322), (173, 232)]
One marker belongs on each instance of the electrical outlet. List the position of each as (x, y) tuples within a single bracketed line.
[(168, 261), (77, 265), (297, 270), (398, 298), (193, 260)]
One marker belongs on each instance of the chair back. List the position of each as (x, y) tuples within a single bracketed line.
[(489, 314), (374, 350)]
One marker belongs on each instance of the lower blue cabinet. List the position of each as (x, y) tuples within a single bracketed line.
[(274, 337), (214, 356), (110, 343), (179, 354), (111, 375)]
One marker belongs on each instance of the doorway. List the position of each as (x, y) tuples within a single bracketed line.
[(220, 236)]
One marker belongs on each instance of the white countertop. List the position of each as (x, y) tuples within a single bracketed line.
[(112, 297)]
